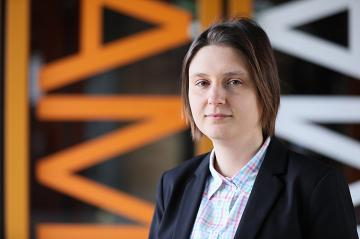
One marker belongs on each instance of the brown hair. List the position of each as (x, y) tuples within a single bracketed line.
[(250, 39)]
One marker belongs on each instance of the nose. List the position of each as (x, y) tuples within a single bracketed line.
[(216, 95)]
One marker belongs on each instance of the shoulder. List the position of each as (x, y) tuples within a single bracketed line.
[(324, 193), (317, 193), (174, 181), (310, 180), (297, 168), (302, 164), (308, 174), (186, 169)]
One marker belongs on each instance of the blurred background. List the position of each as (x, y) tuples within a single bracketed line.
[(91, 113)]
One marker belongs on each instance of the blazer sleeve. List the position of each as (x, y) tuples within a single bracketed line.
[(332, 212), (158, 213)]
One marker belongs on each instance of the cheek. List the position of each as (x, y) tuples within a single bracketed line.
[(194, 100), (256, 109), (248, 106), (195, 107)]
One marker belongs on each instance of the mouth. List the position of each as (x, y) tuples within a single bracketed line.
[(218, 116)]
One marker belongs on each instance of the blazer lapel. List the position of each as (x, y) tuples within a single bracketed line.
[(265, 191), (191, 200)]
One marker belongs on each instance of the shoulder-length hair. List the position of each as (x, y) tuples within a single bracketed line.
[(250, 39)]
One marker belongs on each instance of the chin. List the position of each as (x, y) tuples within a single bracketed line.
[(217, 135)]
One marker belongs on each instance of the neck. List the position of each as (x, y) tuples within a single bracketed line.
[(232, 155)]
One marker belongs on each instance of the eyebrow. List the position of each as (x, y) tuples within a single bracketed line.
[(198, 75), (227, 74), (234, 73)]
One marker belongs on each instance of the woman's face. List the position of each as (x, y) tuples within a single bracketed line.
[(222, 95)]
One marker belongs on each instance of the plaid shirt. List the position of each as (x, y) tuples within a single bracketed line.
[(224, 199)]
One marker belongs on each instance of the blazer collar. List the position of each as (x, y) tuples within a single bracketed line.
[(191, 200), (266, 190), (267, 186)]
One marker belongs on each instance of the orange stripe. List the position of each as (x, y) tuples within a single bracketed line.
[(91, 26), (65, 231), (238, 8), (16, 120), (80, 107), (95, 58), (209, 12), (58, 172), (203, 145)]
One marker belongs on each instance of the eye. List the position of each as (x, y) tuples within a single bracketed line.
[(202, 83), (234, 82)]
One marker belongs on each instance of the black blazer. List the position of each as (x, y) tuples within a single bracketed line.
[(293, 197)]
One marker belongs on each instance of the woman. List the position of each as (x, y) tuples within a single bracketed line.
[(250, 185)]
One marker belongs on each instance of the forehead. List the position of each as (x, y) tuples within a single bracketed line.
[(215, 59)]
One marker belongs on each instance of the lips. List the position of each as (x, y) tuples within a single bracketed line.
[(217, 115)]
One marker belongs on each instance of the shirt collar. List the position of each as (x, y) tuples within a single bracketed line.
[(247, 173)]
